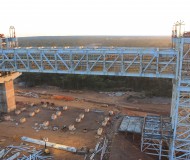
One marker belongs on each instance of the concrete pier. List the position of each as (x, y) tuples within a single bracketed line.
[(7, 94)]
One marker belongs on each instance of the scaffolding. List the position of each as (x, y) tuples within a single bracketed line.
[(180, 111), (156, 136)]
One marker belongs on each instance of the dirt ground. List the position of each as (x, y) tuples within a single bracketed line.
[(121, 147)]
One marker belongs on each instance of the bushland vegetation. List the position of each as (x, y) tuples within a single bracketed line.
[(119, 41)]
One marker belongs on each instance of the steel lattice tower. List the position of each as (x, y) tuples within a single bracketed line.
[(180, 110)]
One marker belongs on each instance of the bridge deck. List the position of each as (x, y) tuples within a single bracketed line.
[(119, 61)]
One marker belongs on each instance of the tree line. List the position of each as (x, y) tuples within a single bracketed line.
[(151, 86)]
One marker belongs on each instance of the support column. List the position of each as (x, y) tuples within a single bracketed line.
[(7, 97), (7, 94)]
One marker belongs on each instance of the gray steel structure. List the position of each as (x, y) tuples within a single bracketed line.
[(119, 61), (180, 109), (157, 135), (139, 62)]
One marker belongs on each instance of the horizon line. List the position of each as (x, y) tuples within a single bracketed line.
[(98, 36)]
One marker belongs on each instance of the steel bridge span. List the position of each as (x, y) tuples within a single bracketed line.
[(138, 62), (171, 63)]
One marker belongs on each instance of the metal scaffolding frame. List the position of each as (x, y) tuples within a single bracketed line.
[(180, 111), (156, 136)]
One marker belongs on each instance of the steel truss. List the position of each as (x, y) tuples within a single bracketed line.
[(120, 61), (156, 136), (180, 112)]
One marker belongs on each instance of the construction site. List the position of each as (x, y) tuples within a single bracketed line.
[(51, 123)]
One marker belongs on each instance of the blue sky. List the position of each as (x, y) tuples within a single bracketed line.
[(92, 17)]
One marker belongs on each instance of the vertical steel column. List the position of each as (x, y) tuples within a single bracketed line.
[(175, 97), (175, 82)]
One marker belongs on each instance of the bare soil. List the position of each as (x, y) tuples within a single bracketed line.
[(121, 146)]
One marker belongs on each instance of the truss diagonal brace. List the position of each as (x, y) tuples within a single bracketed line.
[(132, 62), (148, 64)]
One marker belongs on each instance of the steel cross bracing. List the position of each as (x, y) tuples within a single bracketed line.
[(180, 111), (119, 61)]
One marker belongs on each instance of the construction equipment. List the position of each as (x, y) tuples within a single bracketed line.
[(11, 41)]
